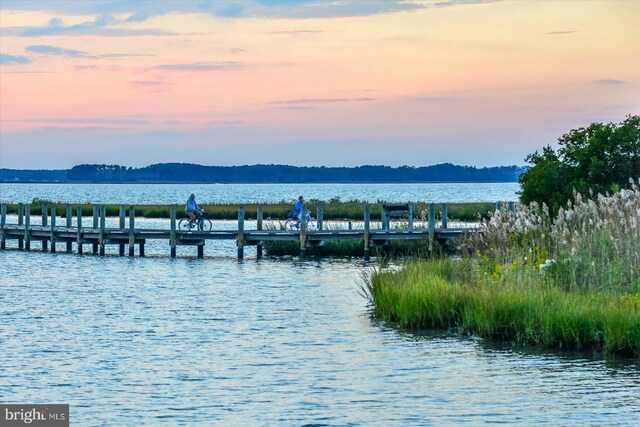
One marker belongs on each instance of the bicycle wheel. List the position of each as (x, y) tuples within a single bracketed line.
[(312, 225), (183, 224), (205, 225), (291, 225)]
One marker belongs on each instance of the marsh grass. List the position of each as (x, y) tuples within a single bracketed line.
[(570, 282), (450, 293), (333, 209)]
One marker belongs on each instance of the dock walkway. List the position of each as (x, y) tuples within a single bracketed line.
[(50, 234)]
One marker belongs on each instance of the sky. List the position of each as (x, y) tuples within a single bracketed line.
[(308, 82)]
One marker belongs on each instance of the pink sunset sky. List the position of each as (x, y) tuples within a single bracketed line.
[(308, 82)]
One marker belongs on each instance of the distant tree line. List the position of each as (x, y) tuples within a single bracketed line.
[(185, 172)]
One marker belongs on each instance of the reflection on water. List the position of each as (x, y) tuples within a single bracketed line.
[(159, 341)]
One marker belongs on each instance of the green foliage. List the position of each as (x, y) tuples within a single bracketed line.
[(569, 281), (600, 158), (451, 293)]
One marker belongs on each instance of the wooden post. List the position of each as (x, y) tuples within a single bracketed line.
[(45, 214), (240, 240), (303, 232), (95, 226), (132, 226), (20, 214), (20, 222), (350, 225), (121, 227), (27, 226), (141, 248), (384, 218), (201, 251), (445, 215), (320, 217), (367, 217), (172, 237), (410, 217), (53, 229), (103, 221), (3, 221), (69, 218), (259, 215), (432, 224), (79, 238), (512, 207)]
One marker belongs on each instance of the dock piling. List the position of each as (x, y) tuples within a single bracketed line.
[(69, 218), (79, 237), (53, 229), (20, 222), (240, 239), (95, 226), (3, 221), (445, 215), (172, 235), (367, 217), (103, 220), (259, 215), (432, 224), (303, 232), (132, 226), (27, 227), (121, 225), (410, 217), (44, 214)]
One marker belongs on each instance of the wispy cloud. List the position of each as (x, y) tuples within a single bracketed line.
[(202, 66), (319, 101), (27, 72), (152, 85), (560, 33), (6, 59), (450, 3), (432, 99), (72, 53), (103, 25), (609, 82), (294, 32), (140, 11), (83, 121), (58, 51)]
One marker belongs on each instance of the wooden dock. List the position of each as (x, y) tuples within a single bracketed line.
[(50, 234)]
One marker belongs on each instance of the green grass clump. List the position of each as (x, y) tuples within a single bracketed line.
[(571, 281), (454, 294)]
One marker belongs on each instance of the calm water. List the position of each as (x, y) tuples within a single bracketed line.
[(185, 342), (164, 194)]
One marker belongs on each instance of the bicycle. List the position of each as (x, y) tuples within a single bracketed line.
[(202, 223), (293, 224)]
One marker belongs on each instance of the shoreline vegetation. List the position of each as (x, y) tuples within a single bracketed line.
[(332, 210), (568, 281)]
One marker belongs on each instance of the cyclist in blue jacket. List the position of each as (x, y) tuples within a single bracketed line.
[(297, 208), (192, 209)]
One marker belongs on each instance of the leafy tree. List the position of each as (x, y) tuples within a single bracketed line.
[(601, 158)]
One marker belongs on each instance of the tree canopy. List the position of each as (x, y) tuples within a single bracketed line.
[(601, 158)]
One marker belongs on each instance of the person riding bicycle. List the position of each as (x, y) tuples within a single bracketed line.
[(192, 209), (297, 208)]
